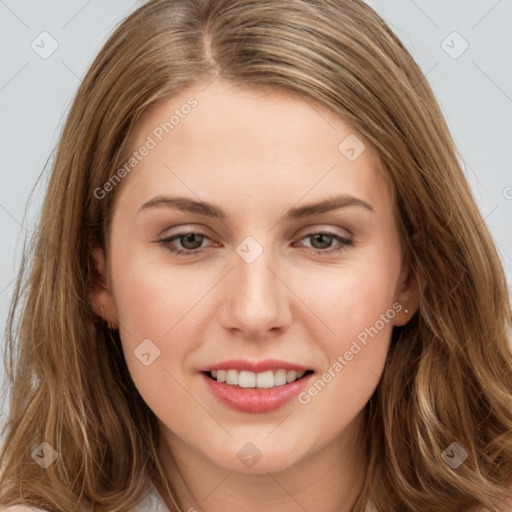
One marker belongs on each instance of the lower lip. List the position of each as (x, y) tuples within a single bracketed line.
[(255, 400)]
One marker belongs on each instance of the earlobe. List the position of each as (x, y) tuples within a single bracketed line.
[(407, 296), (101, 297)]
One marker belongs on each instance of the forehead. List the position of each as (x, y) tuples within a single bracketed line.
[(221, 139)]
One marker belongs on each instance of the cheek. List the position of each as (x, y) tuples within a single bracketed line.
[(361, 316), (150, 303), (158, 309), (151, 296), (353, 297), (356, 303)]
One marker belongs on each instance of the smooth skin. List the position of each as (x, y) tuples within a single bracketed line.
[(255, 154)]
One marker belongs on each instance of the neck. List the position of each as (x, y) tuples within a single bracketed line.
[(331, 479)]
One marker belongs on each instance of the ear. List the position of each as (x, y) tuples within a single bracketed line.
[(101, 297), (407, 294)]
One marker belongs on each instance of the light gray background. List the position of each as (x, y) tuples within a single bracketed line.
[(474, 90)]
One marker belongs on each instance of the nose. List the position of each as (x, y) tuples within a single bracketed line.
[(255, 298)]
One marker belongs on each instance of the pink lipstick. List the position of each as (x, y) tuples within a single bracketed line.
[(255, 386)]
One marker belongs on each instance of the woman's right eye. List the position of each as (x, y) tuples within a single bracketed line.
[(190, 243)]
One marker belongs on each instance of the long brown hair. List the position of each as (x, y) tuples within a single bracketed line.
[(448, 377)]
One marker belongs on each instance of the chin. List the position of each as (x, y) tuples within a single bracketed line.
[(251, 460)]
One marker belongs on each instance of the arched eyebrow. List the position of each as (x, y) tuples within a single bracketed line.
[(334, 203), (298, 212)]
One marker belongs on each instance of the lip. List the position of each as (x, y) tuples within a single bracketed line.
[(255, 366), (254, 400)]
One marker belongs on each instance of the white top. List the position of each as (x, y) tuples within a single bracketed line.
[(152, 502)]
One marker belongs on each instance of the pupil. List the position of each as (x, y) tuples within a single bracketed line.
[(189, 238), (322, 237)]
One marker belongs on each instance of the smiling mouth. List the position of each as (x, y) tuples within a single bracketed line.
[(262, 380)]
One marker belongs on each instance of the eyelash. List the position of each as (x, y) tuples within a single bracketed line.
[(191, 252)]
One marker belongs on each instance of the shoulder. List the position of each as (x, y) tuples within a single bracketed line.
[(152, 502)]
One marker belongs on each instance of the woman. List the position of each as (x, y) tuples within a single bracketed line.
[(260, 280)]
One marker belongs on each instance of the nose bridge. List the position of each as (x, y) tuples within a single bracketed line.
[(255, 301)]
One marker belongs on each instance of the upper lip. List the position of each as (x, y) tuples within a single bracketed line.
[(255, 366)]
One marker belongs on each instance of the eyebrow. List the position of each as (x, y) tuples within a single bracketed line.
[(210, 210)]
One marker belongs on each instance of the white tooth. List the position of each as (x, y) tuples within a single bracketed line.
[(291, 376), (265, 379), (214, 373), (246, 379), (280, 378), (232, 377)]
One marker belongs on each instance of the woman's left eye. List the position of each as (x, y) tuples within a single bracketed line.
[(323, 240), (191, 243)]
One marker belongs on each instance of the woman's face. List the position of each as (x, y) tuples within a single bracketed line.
[(290, 259)]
